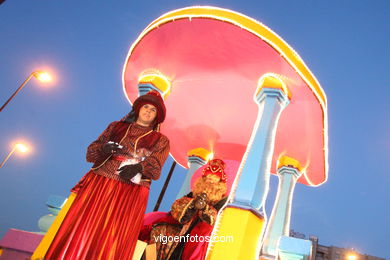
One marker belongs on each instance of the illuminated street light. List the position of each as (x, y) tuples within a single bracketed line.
[(17, 147), (351, 257), (40, 75), (21, 147)]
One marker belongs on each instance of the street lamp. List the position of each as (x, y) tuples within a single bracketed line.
[(17, 147), (351, 257), (40, 75)]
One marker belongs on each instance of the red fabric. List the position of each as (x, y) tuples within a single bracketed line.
[(159, 150), (197, 250), (152, 218), (103, 222), (147, 141), (120, 158)]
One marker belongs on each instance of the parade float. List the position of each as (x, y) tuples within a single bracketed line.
[(237, 91)]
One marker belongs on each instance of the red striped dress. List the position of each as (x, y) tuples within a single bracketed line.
[(105, 218)]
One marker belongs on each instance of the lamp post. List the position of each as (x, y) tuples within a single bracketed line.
[(40, 75), (20, 147)]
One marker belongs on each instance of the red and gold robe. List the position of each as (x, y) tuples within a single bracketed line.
[(183, 221)]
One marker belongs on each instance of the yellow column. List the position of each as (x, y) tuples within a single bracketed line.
[(42, 248), (240, 231)]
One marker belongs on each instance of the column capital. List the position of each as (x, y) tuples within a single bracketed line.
[(154, 80), (289, 170), (274, 81), (272, 92), (200, 152), (197, 160), (289, 162)]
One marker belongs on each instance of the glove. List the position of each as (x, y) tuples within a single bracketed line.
[(208, 214), (200, 201), (127, 172), (110, 148)]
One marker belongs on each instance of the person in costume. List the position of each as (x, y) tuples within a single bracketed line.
[(106, 216), (193, 215)]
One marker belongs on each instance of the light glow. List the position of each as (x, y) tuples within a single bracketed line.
[(21, 147), (157, 79), (43, 76), (210, 156)]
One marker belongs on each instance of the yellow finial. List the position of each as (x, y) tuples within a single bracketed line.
[(271, 80), (289, 162), (201, 153)]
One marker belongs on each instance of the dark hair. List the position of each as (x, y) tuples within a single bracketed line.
[(132, 117)]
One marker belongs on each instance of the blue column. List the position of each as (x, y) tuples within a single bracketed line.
[(279, 222), (194, 163), (55, 204), (154, 80), (254, 172), (144, 88), (291, 248)]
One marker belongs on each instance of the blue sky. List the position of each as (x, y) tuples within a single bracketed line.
[(85, 43)]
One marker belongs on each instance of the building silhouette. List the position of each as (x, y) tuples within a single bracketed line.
[(321, 252)]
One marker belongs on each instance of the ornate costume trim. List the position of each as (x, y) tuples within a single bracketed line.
[(216, 167)]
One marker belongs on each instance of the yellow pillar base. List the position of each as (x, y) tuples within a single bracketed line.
[(139, 250), (42, 248), (241, 229)]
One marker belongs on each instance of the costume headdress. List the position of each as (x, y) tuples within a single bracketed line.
[(217, 167)]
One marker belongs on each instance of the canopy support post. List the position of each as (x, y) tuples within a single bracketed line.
[(244, 217), (279, 222)]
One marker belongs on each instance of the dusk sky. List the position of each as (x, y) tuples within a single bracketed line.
[(84, 45)]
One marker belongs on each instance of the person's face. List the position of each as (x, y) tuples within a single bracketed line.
[(212, 178), (147, 114)]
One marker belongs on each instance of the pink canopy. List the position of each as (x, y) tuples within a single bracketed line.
[(214, 61)]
